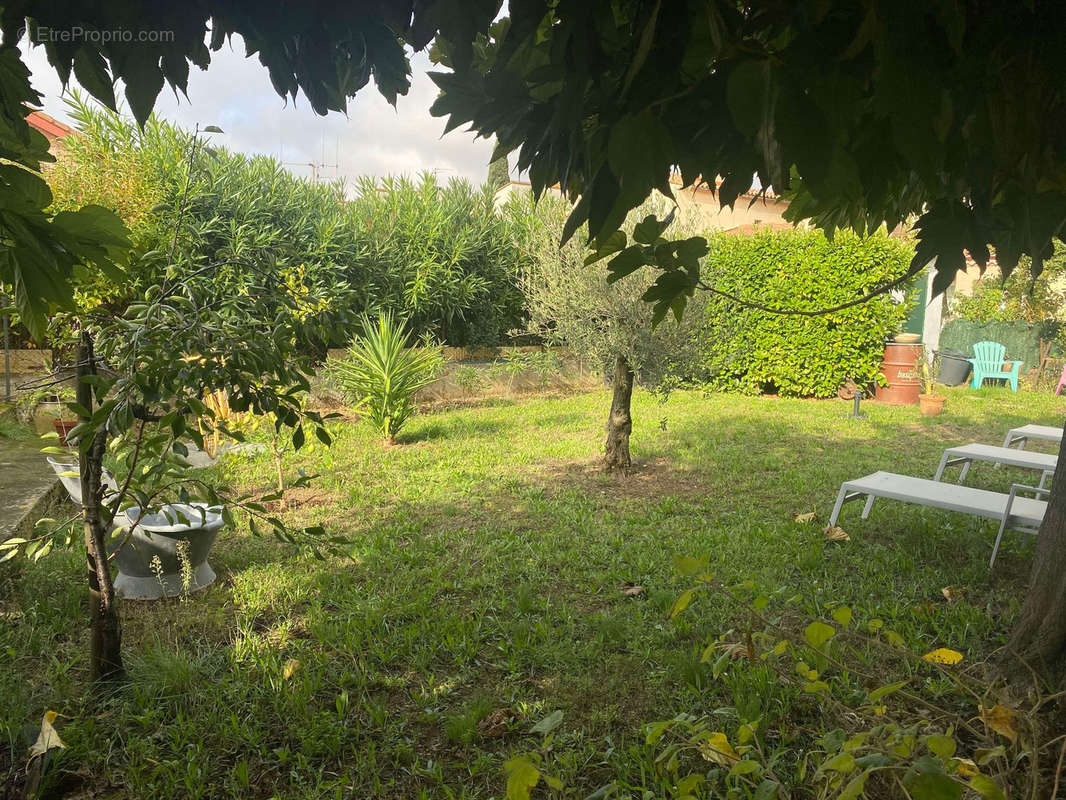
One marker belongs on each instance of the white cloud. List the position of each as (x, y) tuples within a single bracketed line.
[(375, 139)]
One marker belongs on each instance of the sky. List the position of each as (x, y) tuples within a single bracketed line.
[(374, 139)]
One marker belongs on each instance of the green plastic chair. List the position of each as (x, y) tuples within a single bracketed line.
[(988, 360)]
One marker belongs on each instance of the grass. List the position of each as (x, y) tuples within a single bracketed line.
[(11, 428), (485, 591)]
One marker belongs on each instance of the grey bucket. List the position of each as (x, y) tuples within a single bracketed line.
[(954, 367)]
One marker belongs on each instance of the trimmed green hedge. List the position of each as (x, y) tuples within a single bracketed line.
[(752, 351)]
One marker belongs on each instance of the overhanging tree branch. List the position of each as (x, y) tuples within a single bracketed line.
[(800, 312)]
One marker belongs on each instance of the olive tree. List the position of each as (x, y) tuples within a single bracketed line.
[(573, 302)]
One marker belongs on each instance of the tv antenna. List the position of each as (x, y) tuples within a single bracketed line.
[(316, 166)]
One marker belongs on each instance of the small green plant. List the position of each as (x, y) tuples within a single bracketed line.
[(545, 364), (12, 428), (382, 374), (470, 379), (508, 368), (927, 371), (462, 728)]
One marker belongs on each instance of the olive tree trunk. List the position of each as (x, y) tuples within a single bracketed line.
[(1039, 636), (106, 629), (619, 423)]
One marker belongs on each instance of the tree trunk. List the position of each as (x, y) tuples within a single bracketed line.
[(106, 647), (1039, 636), (619, 423)]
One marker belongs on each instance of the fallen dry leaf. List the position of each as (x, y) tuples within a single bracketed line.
[(734, 649), (1000, 719), (810, 516), (47, 738), (950, 593), (943, 655), (496, 724), (837, 534), (716, 748), (967, 768), (632, 590)]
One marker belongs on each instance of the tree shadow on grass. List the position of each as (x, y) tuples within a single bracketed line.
[(432, 431)]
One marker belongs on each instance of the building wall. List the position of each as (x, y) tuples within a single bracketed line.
[(747, 214)]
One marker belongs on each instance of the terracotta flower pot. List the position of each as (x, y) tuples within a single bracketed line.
[(931, 404), (63, 427)]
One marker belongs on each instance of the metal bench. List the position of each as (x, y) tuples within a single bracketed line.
[(1023, 434), (1012, 457), (1012, 510)]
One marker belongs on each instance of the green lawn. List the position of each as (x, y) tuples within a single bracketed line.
[(487, 574)]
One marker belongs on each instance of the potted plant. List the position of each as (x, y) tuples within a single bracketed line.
[(63, 427), (929, 401), (52, 412)]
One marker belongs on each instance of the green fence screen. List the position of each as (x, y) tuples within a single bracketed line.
[(1022, 339)]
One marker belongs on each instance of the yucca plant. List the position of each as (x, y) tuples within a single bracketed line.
[(382, 374)]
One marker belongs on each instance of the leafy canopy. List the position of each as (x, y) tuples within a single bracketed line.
[(40, 251), (860, 113)]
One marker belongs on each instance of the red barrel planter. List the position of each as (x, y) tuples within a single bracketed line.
[(900, 368)]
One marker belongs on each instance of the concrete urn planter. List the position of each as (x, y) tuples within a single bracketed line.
[(175, 534)]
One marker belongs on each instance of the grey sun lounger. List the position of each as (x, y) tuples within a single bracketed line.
[(1013, 457), (1012, 510), (1023, 434)]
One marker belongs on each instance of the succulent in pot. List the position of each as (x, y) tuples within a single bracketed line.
[(930, 403)]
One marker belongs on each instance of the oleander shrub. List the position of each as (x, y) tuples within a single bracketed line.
[(440, 255), (752, 351), (437, 254)]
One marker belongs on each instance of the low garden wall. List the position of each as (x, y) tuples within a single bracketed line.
[(27, 362), (503, 372)]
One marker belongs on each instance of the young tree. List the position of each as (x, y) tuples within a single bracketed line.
[(604, 322), (180, 324)]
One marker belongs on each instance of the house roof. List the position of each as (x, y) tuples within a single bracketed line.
[(49, 126)]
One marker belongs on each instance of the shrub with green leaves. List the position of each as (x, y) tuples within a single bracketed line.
[(439, 254), (1020, 297), (382, 374), (751, 351)]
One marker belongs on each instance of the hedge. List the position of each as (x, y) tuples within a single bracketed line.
[(752, 351)]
